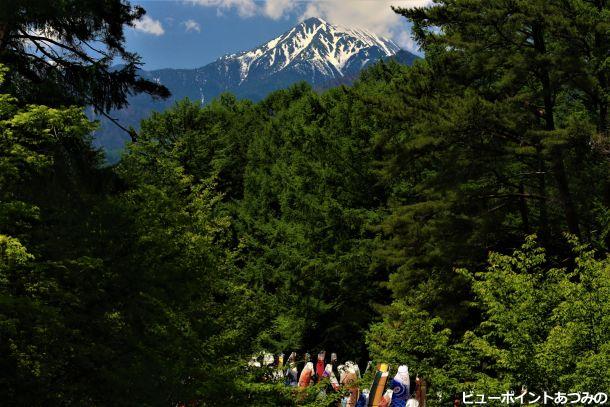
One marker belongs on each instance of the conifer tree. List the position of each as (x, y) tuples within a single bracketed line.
[(63, 52)]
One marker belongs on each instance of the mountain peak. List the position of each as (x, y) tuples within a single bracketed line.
[(313, 21), (316, 48)]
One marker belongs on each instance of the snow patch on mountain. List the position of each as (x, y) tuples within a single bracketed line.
[(314, 44)]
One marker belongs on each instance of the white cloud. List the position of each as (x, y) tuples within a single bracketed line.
[(191, 25), (149, 26), (405, 41), (245, 8), (276, 9), (374, 15)]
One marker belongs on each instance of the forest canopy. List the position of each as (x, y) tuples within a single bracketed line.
[(453, 216)]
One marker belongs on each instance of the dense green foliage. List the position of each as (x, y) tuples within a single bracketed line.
[(110, 295), (295, 182), (542, 327), (453, 215)]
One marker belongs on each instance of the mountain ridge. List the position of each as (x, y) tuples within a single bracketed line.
[(314, 51)]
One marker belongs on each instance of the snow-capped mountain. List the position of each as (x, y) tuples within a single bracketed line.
[(314, 51), (313, 48)]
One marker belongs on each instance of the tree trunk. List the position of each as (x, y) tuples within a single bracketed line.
[(3, 30), (542, 211), (557, 164), (564, 193), (523, 209)]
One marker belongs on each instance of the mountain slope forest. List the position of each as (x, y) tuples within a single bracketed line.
[(314, 51), (452, 215)]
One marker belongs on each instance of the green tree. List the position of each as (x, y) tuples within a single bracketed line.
[(294, 172), (533, 55), (115, 290), (495, 135), (542, 328), (62, 52)]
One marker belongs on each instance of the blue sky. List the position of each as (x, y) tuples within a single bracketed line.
[(193, 33)]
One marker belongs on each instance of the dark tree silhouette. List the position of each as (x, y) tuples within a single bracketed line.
[(66, 52)]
